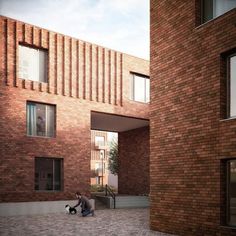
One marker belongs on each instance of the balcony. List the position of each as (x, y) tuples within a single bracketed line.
[(101, 146)]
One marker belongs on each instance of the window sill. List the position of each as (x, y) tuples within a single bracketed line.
[(228, 119), (228, 227), (40, 82), (214, 19), (48, 191), (133, 101), (44, 137)]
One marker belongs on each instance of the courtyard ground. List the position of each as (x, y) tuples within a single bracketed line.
[(105, 222)]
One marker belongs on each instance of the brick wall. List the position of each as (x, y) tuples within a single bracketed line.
[(188, 138), (133, 176), (82, 77)]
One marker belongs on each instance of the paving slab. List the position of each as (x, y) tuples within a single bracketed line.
[(110, 222)]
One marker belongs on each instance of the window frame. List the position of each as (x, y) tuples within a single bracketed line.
[(228, 64), (213, 12), (228, 193), (61, 174), (24, 44), (55, 120), (132, 87)]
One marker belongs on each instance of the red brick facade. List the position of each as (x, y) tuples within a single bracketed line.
[(189, 138), (82, 77), (134, 161)]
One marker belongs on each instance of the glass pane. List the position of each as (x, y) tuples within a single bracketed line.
[(222, 6), (233, 86), (100, 140), (42, 66), (232, 193), (147, 90), (57, 174), (50, 126), (32, 64), (31, 119), (207, 10), (43, 174), (41, 120), (139, 88)]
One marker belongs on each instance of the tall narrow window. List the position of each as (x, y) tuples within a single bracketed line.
[(32, 64), (40, 119), (140, 88), (214, 8), (232, 86), (231, 186), (48, 174)]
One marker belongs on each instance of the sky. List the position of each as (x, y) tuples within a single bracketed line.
[(122, 25)]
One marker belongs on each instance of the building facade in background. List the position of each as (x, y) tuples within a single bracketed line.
[(54, 90), (192, 117)]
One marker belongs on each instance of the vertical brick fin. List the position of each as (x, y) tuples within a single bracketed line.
[(6, 50), (24, 33), (16, 61), (63, 66), (109, 76), (97, 74), (121, 79), (112, 79), (49, 64), (118, 79), (84, 70), (81, 69), (55, 65), (11, 52), (77, 68), (40, 37), (2, 45), (103, 75), (115, 78), (91, 72), (33, 35), (100, 74), (59, 64), (71, 69)]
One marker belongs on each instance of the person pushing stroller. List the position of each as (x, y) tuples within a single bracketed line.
[(86, 207)]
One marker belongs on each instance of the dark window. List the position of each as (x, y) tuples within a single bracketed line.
[(214, 8), (48, 174), (140, 88), (33, 64), (40, 119), (231, 86), (231, 192)]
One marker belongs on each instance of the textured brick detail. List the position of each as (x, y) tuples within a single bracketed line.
[(188, 138), (133, 177)]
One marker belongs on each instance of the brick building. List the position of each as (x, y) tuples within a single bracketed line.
[(53, 90), (192, 117)]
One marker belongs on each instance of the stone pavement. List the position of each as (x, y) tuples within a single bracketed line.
[(105, 222)]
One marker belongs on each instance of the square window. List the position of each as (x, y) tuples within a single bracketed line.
[(40, 119), (99, 140), (48, 174), (140, 88), (33, 64)]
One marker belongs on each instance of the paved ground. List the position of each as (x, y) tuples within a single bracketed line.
[(105, 222)]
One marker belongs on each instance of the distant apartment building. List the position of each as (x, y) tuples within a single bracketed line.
[(192, 117), (99, 158), (54, 90)]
